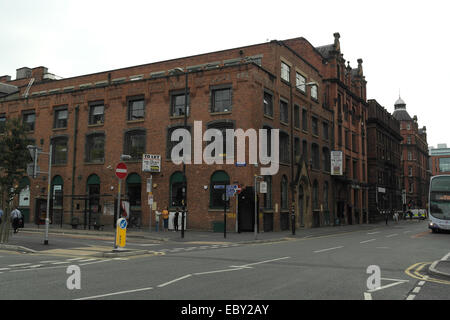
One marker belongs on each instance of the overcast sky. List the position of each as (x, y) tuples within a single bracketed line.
[(404, 44)]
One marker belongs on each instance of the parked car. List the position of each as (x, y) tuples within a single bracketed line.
[(418, 214)]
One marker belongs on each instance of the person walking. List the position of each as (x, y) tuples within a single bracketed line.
[(16, 215), (1, 214), (157, 215), (165, 216), (175, 220), (386, 212)]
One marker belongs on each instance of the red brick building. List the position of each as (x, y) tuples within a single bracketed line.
[(415, 158), (316, 102), (440, 159)]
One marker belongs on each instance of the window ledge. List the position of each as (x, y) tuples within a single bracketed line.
[(95, 125), (59, 129), (135, 121), (284, 123), (218, 210), (178, 117), (94, 163), (219, 113), (268, 116)]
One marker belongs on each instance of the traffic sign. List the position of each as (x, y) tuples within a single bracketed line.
[(121, 232), (121, 170), (237, 188), (230, 190)]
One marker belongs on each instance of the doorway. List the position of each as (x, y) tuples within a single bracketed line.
[(246, 210)]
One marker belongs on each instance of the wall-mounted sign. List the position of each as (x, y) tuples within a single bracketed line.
[(151, 163), (336, 163)]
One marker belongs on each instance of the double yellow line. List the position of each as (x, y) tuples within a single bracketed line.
[(414, 271)]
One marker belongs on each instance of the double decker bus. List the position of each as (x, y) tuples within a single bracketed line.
[(439, 203)]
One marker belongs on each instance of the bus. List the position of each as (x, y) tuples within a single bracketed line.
[(439, 203)]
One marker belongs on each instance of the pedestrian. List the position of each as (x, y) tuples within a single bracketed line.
[(175, 220), (16, 215), (165, 216), (410, 214), (386, 212), (1, 214)]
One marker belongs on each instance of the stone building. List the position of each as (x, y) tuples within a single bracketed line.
[(384, 162)]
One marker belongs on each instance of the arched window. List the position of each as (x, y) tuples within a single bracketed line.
[(218, 179), (93, 191), (176, 189), (134, 189), (315, 195), (57, 192), (284, 192), (325, 196)]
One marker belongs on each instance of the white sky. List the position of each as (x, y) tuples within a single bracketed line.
[(404, 44)]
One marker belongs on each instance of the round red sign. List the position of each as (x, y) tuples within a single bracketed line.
[(121, 170)]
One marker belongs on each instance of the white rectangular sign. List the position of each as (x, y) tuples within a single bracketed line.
[(151, 163), (263, 187), (336, 163)]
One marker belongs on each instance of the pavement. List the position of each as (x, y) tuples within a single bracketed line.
[(439, 268)]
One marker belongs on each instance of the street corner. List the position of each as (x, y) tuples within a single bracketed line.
[(440, 268), (15, 248)]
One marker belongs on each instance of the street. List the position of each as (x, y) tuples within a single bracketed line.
[(308, 266)]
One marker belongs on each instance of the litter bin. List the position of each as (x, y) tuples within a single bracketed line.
[(218, 226)]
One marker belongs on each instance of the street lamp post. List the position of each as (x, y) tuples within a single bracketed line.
[(255, 227)]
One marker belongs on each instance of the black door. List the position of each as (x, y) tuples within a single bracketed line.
[(246, 211)]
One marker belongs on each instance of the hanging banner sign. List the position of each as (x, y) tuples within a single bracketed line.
[(336, 163)]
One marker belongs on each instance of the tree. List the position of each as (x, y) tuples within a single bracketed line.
[(14, 157)]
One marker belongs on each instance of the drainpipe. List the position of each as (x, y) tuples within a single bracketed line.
[(74, 160)]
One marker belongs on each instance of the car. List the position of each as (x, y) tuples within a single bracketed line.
[(418, 214)]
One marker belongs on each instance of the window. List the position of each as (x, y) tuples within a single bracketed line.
[(296, 116), (268, 104), (326, 134), (315, 126), (315, 195), (218, 178), (134, 144), (305, 150), (284, 111), (300, 82), (221, 100), (222, 127), (314, 92), (268, 195), (408, 126), (284, 147), (325, 196), (315, 156), (284, 193), (326, 159), (96, 112), (29, 118), (408, 140), (411, 187), (354, 144), (297, 147), (409, 155), (136, 108), (444, 164), (170, 143), (347, 139), (355, 169), (410, 171), (59, 152), (340, 135), (176, 189), (304, 120), (177, 104), (269, 140), (61, 116), (285, 72), (2, 123), (95, 147)]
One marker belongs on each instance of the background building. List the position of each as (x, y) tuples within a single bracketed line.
[(384, 164), (415, 159), (440, 159)]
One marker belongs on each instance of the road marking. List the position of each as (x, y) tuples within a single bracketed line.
[(115, 293), (368, 241), (74, 259), (398, 281), (407, 231), (49, 261), (447, 256), (87, 260), (421, 283), (392, 235), (19, 265), (411, 297), (367, 296), (61, 262), (5, 269), (219, 271), (373, 232), (173, 281), (323, 250), (416, 290), (383, 248)]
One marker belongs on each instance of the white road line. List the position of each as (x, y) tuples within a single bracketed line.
[(367, 296), (49, 261), (74, 259), (87, 260), (411, 297), (392, 235), (115, 293), (421, 283), (323, 250), (373, 232), (219, 271), (5, 269), (368, 241), (173, 281), (447, 257), (19, 265), (35, 266), (416, 290), (61, 262), (407, 231), (266, 261), (147, 244), (389, 285)]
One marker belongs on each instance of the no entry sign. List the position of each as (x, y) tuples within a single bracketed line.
[(121, 170)]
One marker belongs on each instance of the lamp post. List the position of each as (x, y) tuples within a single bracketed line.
[(180, 70), (255, 227), (34, 151)]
